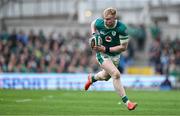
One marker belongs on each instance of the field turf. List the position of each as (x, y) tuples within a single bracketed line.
[(62, 102)]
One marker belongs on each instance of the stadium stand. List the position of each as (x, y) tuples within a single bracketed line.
[(37, 53)]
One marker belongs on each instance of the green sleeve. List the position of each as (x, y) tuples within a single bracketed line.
[(99, 23), (123, 33)]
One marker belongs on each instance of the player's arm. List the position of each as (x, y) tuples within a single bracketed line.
[(117, 49), (123, 46), (120, 48), (93, 27), (94, 34)]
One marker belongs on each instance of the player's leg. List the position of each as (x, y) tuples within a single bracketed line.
[(100, 76), (112, 70)]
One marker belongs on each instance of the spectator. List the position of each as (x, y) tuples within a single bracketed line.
[(156, 31), (141, 37), (22, 37)]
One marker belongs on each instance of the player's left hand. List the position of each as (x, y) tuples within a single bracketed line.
[(100, 48)]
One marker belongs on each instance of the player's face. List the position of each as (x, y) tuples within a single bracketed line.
[(110, 21)]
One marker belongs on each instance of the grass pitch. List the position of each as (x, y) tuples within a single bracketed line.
[(60, 102)]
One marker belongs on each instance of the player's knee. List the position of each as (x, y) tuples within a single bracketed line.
[(116, 74)]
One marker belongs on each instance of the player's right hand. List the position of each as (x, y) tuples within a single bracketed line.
[(100, 48)]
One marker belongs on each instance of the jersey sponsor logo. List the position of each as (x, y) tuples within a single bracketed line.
[(108, 38), (102, 32), (113, 33)]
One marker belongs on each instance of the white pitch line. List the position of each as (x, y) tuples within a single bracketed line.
[(23, 100)]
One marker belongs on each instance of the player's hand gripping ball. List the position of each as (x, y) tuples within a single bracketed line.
[(95, 41)]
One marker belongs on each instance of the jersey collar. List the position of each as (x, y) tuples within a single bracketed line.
[(110, 27)]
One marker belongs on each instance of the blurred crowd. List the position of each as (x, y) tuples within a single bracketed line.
[(35, 52), (32, 52), (164, 53)]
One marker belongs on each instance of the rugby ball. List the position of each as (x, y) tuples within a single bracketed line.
[(95, 41)]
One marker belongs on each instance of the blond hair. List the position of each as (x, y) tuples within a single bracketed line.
[(109, 12)]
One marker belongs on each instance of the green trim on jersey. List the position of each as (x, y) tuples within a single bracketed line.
[(111, 36), (123, 37), (101, 57)]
